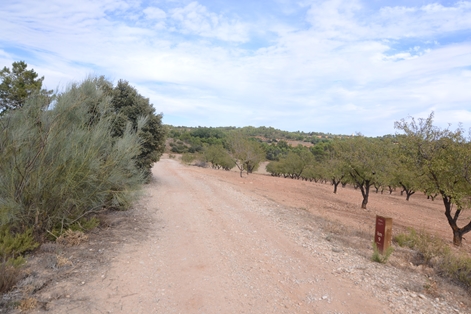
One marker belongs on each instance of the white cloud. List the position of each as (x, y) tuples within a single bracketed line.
[(196, 19), (193, 60), (431, 19), (154, 13)]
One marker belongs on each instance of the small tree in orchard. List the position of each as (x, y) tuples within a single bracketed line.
[(245, 153), (361, 156), (18, 84), (218, 157), (336, 169), (386, 163), (407, 176), (444, 157)]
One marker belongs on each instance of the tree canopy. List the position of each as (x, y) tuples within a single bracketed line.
[(128, 106), (444, 158), (17, 84)]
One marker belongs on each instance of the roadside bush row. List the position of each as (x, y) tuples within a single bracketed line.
[(62, 161)]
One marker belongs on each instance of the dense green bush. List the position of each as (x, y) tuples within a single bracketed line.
[(58, 165), (218, 157), (128, 106)]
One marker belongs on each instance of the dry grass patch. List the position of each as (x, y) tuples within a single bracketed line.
[(436, 253), (63, 261), (8, 277), (72, 238), (28, 304)]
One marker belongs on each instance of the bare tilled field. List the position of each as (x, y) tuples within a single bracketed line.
[(208, 241)]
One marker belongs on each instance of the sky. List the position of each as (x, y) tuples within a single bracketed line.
[(340, 66)]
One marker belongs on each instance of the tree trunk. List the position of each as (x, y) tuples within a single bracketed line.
[(457, 232), (409, 193), (365, 192), (457, 237), (335, 184)]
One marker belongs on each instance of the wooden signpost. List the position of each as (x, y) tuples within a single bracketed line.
[(383, 233)]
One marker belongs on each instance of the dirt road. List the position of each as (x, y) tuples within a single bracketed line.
[(217, 250), (206, 241)]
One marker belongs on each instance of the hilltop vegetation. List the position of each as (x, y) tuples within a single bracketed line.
[(195, 137)]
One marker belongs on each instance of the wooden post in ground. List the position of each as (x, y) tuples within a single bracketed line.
[(383, 233)]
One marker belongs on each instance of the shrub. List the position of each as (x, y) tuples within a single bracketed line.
[(381, 258), (188, 158), (427, 245), (81, 225), (59, 165), (218, 157), (437, 254), (8, 277), (129, 106), (12, 246)]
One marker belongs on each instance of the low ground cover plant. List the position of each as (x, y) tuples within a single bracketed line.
[(436, 253)]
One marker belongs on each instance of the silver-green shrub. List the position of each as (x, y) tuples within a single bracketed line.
[(58, 164)]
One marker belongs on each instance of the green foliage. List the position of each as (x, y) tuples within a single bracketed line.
[(427, 245), (18, 84), (295, 164), (83, 224), (444, 158), (362, 158), (458, 267), (207, 133), (381, 258), (178, 147), (276, 151), (12, 246), (188, 158), (245, 153), (437, 254), (129, 106), (218, 157), (217, 136), (58, 165)]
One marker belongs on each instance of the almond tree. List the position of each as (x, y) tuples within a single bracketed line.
[(362, 157), (444, 158), (245, 153), (335, 167)]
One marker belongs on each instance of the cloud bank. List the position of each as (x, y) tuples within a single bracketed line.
[(331, 66)]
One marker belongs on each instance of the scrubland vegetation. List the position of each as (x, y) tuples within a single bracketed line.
[(67, 156)]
